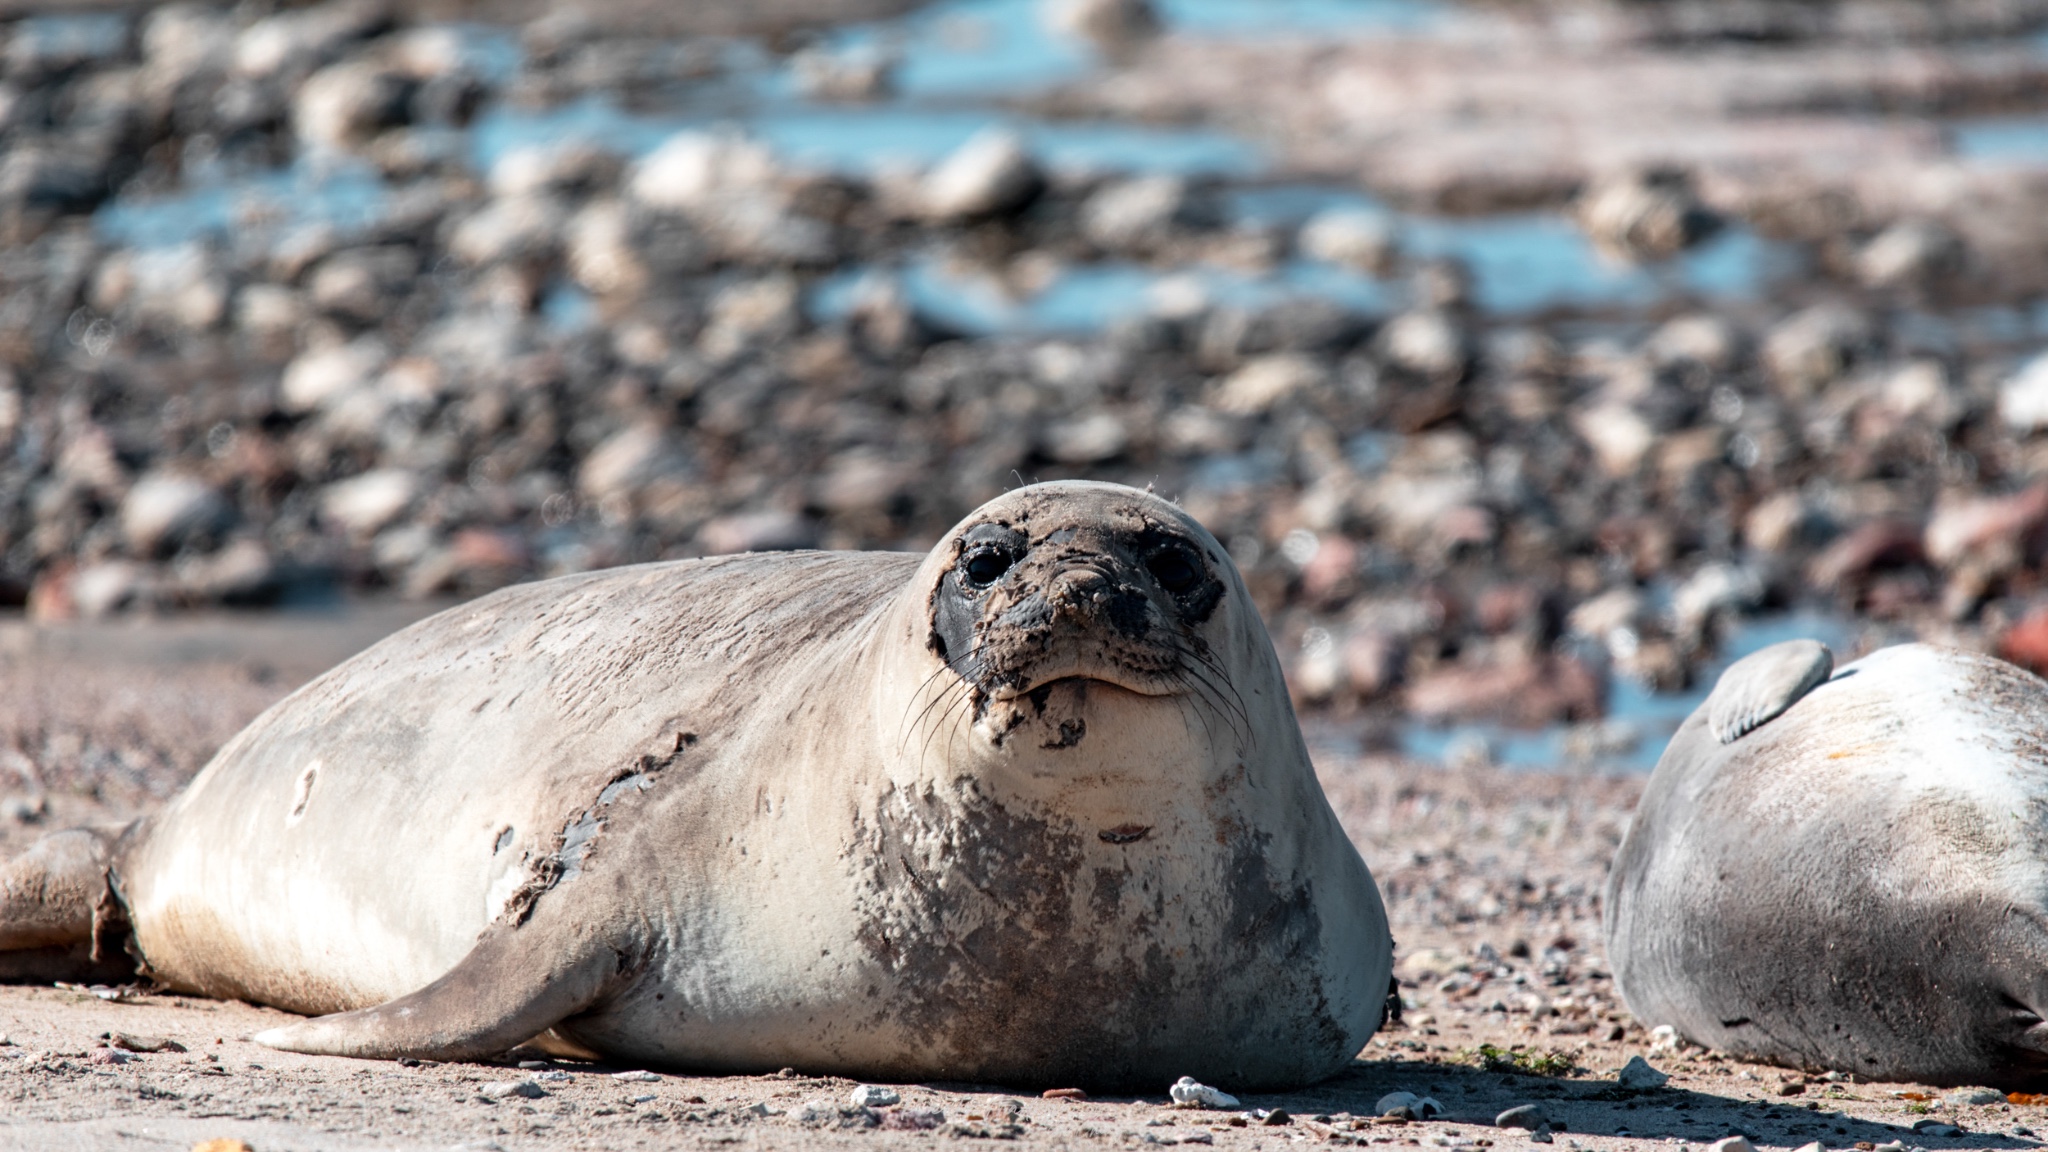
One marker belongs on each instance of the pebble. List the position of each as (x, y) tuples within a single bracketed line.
[(1962, 1096), (1529, 1116), (1732, 1144), (1407, 1106), (1187, 1092), (501, 1089), (991, 173), (1638, 1074), (636, 1077), (874, 1096)]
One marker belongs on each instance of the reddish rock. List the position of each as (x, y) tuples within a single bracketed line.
[(2026, 643), (1526, 694)]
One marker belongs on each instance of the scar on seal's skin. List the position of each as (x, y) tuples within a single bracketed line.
[(1124, 833)]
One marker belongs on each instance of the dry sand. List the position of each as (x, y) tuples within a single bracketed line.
[(1492, 881)]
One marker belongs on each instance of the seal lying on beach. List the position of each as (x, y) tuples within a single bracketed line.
[(1032, 808), (1848, 869)]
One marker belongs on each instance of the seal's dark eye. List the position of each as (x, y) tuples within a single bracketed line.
[(1174, 570), (987, 566)]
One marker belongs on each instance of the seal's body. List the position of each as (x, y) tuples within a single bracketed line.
[(1848, 870), (1032, 808)]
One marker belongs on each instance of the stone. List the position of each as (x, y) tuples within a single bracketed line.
[(1732, 1144), (636, 1077), (874, 1096), (1717, 588), (505, 1089), (1528, 1116), (1407, 1106), (166, 509), (1637, 1074), (631, 460), (1187, 1092), (1907, 253), (913, 1119), (1113, 26), (99, 590), (1429, 343), (1267, 382), (1619, 435), (545, 169), (1088, 439), (856, 74), (1973, 1096), (1813, 348), (692, 170), (1648, 215), (757, 532), (362, 505), (222, 1144), (2023, 398), (990, 174), (602, 254), (1929, 1126), (1136, 214), (1355, 238), (362, 284), (509, 228), (322, 376), (344, 105)]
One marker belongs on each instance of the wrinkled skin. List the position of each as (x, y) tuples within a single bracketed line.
[(1032, 809), (1859, 884)]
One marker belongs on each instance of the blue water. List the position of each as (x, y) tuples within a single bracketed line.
[(863, 139), (347, 197), (1654, 715), (2018, 139)]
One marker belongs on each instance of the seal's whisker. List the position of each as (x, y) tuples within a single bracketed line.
[(911, 723), (953, 695)]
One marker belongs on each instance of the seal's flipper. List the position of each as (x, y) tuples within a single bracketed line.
[(517, 983), (1759, 687), (58, 916)]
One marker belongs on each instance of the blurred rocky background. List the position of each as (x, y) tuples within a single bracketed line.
[(1533, 359)]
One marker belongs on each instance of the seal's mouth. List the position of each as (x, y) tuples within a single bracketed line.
[(1137, 686)]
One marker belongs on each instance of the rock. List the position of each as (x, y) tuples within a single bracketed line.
[(364, 504), (1619, 435), (104, 1056), (1977, 527), (267, 310), (1645, 215), (1429, 343), (508, 228), (2023, 398), (1135, 215), (1522, 692), (1704, 339), (1972, 1096), (691, 171), (1356, 238), (167, 509), (1637, 1074), (1267, 382), (130, 1043), (572, 167), (1929, 1126), (322, 376), (1089, 439), (344, 105), (1716, 588), (242, 573), (1732, 1144), (990, 174), (1784, 520), (631, 460), (362, 284), (757, 532), (602, 253), (505, 1089), (2026, 643), (874, 1096), (99, 590), (916, 1119), (1113, 26), (1187, 1092), (857, 74), (180, 288), (1665, 1041), (1407, 1106), (1909, 252), (1813, 348), (826, 1114), (636, 1077), (63, 180), (1528, 1116)]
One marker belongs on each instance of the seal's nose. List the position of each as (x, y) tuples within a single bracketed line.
[(1084, 594)]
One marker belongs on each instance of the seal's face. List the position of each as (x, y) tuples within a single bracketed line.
[(1078, 588)]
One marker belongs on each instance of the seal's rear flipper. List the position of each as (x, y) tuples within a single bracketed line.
[(1759, 687), (517, 983), (58, 916)]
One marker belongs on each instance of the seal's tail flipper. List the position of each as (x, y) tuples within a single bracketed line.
[(1759, 687), (518, 982), (58, 916)]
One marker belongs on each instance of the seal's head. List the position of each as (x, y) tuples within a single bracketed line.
[(1080, 582), (1055, 602)]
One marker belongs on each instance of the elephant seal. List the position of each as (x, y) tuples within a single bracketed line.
[(1030, 809), (1848, 870)]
